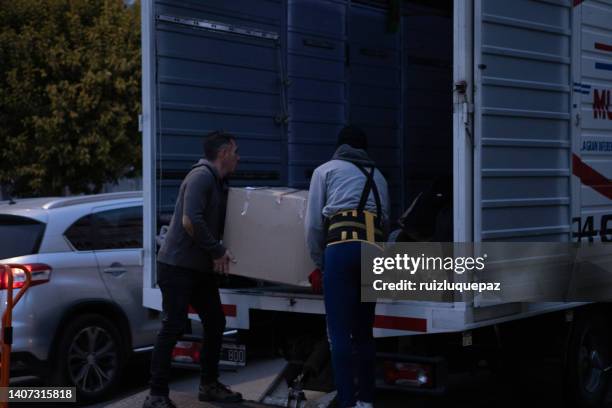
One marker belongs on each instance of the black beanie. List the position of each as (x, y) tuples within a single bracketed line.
[(354, 137)]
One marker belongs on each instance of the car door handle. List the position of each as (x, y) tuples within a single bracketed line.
[(115, 270)]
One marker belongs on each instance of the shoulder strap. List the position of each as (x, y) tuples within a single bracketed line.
[(218, 181), (212, 172), (218, 184), (370, 185)]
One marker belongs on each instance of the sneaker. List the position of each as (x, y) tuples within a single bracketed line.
[(218, 392), (363, 404), (154, 401)]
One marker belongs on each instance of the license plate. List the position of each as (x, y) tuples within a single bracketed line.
[(233, 355)]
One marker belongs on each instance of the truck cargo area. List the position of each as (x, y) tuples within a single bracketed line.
[(322, 65), (286, 90)]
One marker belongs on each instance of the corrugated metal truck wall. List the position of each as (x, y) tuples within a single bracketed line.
[(524, 69), (344, 67), (374, 89), (316, 65), (334, 62), (212, 79)]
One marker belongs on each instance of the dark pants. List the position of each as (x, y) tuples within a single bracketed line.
[(180, 288), (349, 324)]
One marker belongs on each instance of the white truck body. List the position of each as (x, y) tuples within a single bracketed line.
[(531, 126)]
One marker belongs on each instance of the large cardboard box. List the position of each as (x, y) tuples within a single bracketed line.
[(264, 229)]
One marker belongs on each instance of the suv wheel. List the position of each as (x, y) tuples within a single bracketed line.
[(90, 357)]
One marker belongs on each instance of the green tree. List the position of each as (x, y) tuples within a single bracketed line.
[(69, 94)]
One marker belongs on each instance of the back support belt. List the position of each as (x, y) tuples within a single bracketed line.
[(354, 225)]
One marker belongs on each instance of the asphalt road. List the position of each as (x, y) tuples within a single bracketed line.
[(533, 384)]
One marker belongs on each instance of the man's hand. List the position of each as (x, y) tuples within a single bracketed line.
[(221, 265)]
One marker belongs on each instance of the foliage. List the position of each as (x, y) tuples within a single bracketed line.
[(69, 94)]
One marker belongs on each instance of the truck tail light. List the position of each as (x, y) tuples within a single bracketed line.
[(186, 352), (40, 273), (408, 374)]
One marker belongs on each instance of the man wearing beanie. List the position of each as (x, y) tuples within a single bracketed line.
[(348, 204)]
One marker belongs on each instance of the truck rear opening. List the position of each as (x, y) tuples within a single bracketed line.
[(284, 77)]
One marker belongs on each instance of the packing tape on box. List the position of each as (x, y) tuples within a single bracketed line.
[(245, 206), (302, 211), (281, 195), (248, 190)]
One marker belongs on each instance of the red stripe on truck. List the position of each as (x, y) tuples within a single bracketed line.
[(228, 310), (400, 323), (591, 177), (603, 47), (577, 2)]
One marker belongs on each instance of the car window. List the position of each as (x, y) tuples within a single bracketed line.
[(120, 228), (80, 234), (19, 236)]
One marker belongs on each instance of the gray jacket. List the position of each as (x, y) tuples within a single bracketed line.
[(335, 186), (203, 198)]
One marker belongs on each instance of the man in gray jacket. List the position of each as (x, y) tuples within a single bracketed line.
[(189, 262), (348, 204)]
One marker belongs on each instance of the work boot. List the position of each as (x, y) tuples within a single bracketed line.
[(154, 401), (218, 392)]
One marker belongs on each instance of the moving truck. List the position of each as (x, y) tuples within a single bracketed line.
[(508, 102)]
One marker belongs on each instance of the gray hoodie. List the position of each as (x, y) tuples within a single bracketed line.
[(335, 186), (203, 198)]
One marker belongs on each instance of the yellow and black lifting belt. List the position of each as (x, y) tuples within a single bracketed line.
[(354, 225), (358, 224)]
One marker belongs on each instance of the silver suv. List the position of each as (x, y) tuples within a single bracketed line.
[(83, 316)]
